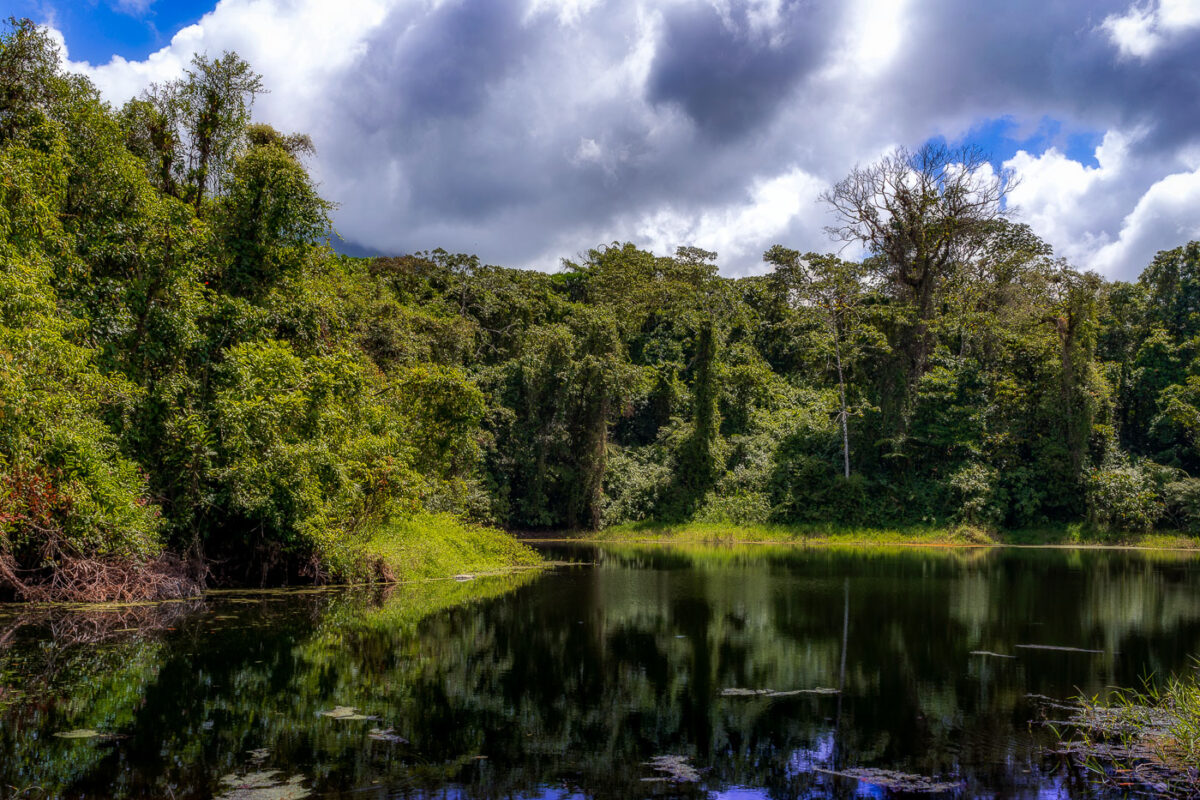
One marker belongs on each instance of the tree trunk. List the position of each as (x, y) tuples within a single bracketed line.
[(844, 413)]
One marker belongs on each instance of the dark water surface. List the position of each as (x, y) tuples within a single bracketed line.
[(571, 682)]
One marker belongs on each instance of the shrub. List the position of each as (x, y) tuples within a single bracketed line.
[(1123, 498), (746, 508), (1182, 501), (981, 500)]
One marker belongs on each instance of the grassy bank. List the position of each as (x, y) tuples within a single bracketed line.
[(440, 546), (1143, 742), (717, 533)]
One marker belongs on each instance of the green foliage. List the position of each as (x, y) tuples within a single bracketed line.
[(980, 498), (752, 508), (269, 220), (1123, 497), (183, 357), (1181, 499), (66, 491)]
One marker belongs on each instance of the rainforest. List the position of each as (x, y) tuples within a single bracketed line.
[(197, 389)]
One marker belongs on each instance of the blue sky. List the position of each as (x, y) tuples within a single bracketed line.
[(528, 130), (96, 30)]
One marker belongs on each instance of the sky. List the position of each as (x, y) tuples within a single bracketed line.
[(527, 131)]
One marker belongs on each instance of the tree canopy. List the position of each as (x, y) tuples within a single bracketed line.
[(189, 373)]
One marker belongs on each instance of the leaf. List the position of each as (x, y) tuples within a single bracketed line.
[(773, 693), (1056, 647), (80, 733), (344, 712)]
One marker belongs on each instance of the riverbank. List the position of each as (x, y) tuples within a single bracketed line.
[(1073, 535), (430, 546), (425, 546), (1147, 741)]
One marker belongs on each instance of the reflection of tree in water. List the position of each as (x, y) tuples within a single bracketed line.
[(578, 679)]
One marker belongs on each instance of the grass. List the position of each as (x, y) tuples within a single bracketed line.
[(962, 535), (1148, 740), (429, 546)]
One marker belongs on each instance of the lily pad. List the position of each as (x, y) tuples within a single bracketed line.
[(262, 786), (735, 692), (344, 712), (386, 735), (81, 733), (675, 768), (896, 781)]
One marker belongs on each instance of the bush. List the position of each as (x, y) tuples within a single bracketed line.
[(1123, 498), (981, 500), (748, 508), (635, 482), (1181, 499)]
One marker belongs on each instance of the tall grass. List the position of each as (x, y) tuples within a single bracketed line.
[(827, 533), (1147, 740)]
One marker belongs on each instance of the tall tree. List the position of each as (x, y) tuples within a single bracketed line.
[(924, 213), (189, 131), (836, 289)]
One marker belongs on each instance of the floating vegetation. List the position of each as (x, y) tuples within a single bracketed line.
[(386, 735), (344, 712), (774, 693), (83, 733), (262, 786), (989, 654), (893, 780), (1147, 741), (1057, 648), (674, 768)]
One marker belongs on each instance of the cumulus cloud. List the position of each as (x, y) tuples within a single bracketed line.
[(528, 130), (1142, 30)]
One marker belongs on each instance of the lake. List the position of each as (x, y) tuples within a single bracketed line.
[(739, 672)]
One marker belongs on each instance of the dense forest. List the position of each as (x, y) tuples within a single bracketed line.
[(194, 385)]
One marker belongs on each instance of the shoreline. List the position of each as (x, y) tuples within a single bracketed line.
[(1064, 538)]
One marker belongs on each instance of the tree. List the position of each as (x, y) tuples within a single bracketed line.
[(836, 289), (31, 81), (923, 213), (270, 218), (189, 131)]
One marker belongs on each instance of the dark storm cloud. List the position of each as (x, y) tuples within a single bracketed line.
[(1045, 59), (419, 71), (729, 74), (477, 105), (485, 126)]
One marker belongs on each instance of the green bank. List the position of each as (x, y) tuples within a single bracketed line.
[(702, 533)]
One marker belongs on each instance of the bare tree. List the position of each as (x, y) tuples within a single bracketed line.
[(922, 214)]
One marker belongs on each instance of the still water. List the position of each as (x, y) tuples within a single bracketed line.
[(606, 679)]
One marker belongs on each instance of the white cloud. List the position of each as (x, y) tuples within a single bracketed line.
[(1164, 217), (1061, 198), (1112, 217), (298, 45), (1141, 30), (737, 232)]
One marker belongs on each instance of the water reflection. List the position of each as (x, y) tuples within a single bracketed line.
[(569, 683)]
